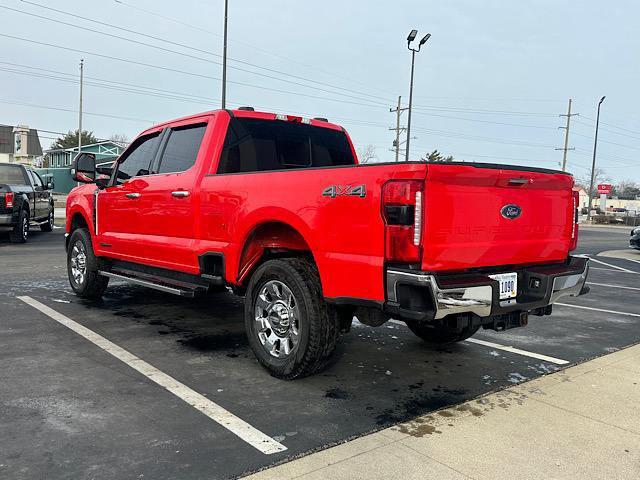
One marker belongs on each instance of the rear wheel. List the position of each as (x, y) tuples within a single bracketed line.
[(48, 225), (20, 232), (82, 266), (291, 329), (439, 336)]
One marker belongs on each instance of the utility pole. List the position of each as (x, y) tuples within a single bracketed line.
[(224, 57), (398, 129), (80, 106), (593, 164), (566, 136)]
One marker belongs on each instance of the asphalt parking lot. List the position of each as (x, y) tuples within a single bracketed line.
[(70, 409)]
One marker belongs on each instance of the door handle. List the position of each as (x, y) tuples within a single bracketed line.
[(132, 196), (518, 181), (180, 193)]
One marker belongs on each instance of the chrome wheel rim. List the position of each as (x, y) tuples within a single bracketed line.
[(78, 262), (277, 318), (51, 219), (25, 228)]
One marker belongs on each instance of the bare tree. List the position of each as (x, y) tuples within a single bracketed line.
[(120, 138), (600, 176), (627, 188), (367, 153)]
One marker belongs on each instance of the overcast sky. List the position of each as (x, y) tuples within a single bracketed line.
[(489, 84)]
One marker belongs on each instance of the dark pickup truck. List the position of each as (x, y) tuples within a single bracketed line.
[(25, 201)]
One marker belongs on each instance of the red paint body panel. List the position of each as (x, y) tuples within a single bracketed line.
[(462, 224), (464, 228)]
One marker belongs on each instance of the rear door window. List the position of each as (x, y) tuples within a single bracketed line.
[(181, 149), (12, 175), (136, 160), (254, 145)]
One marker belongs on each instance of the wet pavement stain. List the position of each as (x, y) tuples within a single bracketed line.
[(337, 393), (212, 343)]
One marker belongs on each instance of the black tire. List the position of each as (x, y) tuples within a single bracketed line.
[(20, 232), (439, 337), (48, 225), (318, 325), (91, 285)]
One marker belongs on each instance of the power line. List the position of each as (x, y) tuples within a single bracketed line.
[(183, 46), (252, 46), (60, 109), (238, 61), (203, 100)]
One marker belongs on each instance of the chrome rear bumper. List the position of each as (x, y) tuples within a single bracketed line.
[(478, 294)]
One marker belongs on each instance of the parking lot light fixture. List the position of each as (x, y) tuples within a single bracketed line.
[(411, 38)]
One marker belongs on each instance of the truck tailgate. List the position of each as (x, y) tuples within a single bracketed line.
[(481, 216)]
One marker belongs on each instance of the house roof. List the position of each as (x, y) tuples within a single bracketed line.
[(7, 138), (75, 149)]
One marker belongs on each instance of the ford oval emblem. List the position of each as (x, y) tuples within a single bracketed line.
[(511, 211)]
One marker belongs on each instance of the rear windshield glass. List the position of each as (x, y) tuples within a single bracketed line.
[(12, 175), (255, 145)]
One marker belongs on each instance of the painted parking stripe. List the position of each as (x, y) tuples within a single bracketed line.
[(598, 309), (606, 269), (518, 351), (215, 412), (612, 266), (506, 348), (612, 286)]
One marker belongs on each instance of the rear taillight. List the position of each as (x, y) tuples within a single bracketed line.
[(574, 232), (402, 206), (8, 199)]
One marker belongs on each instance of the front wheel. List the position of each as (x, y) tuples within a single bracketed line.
[(291, 329), (82, 266), (439, 337)]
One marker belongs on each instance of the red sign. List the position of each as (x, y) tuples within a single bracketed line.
[(604, 188)]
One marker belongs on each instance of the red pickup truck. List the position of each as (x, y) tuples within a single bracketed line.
[(277, 208)]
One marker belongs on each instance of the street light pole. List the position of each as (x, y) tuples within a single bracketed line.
[(413, 61), (80, 106), (411, 38), (224, 57), (593, 164)]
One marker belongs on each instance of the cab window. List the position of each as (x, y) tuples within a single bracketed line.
[(136, 161), (182, 148)]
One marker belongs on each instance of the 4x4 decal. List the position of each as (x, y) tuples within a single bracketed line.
[(345, 190)]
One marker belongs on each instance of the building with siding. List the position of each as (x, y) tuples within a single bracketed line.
[(104, 151), (20, 144)]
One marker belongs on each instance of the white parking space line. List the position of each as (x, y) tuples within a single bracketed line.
[(612, 286), (612, 266), (518, 351), (631, 260), (215, 412), (506, 348), (598, 309), (606, 269)]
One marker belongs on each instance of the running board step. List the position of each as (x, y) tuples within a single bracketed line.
[(167, 285)]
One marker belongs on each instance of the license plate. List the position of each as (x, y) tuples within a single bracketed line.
[(508, 284)]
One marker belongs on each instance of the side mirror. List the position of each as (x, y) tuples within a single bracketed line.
[(50, 185), (84, 168)]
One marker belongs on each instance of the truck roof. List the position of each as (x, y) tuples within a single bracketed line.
[(245, 113)]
